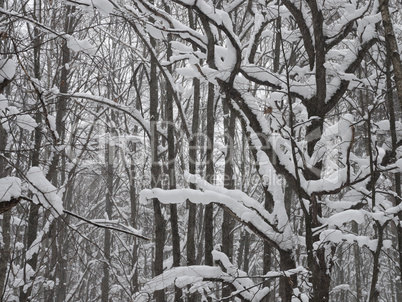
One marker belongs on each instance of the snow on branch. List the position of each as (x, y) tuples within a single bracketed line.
[(183, 276), (44, 192), (240, 205), (337, 236), (105, 7), (132, 112), (113, 225), (10, 192), (10, 187), (243, 286)]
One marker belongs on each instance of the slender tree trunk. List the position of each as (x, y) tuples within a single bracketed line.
[(394, 141), (172, 171), (267, 264), (134, 214), (246, 255), (109, 161), (209, 209), (5, 252), (228, 222), (58, 231), (32, 227), (193, 145), (133, 194), (269, 202), (6, 217), (209, 171), (5, 227), (392, 46), (357, 256), (374, 293), (159, 222)]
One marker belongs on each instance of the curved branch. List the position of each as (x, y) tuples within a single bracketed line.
[(248, 117), (304, 29)]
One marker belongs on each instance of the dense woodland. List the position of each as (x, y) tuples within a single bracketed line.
[(185, 150)]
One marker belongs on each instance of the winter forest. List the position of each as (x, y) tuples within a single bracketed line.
[(200, 150)]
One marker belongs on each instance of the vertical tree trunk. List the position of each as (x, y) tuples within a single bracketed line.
[(246, 255), (357, 256), (134, 214), (133, 192), (58, 232), (172, 171), (192, 166), (5, 226), (209, 171), (269, 202), (193, 145), (209, 209), (159, 222), (109, 160), (6, 217), (394, 142), (392, 46), (267, 262), (374, 293), (5, 253), (228, 222), (32, 227)]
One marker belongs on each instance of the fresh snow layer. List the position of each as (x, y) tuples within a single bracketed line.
[(105, 7), (245, 208), (80, 45), (26, 122), (10, 187), (7, 69), (336, 236), (44, 192)]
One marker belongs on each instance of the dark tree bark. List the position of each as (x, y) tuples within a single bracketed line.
[(172, 169), (56, 175), (209, 172), (209, 209), (34, 208), (5, 225), (193, 145), (159, 222), (394, 139), (392, 46), (228, 221), (109, 162), (133, 196)]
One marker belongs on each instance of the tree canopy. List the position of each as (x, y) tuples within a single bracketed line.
[(192, 150)]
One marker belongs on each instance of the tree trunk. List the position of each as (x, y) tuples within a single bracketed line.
[(209, 172), (59, 231), (374, 293), (134, 214), (172, 171), (109, 160), (209, 209), (192, 166), (228, 221), (159, 222), (246, 255), (394, 142), (5, 227), (32, 227), (357, 256), (392, 46)]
